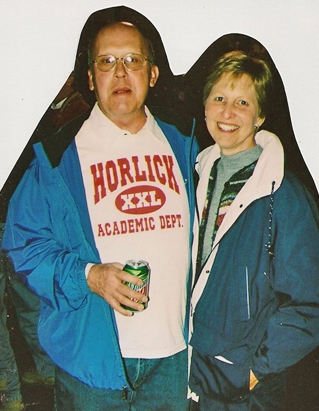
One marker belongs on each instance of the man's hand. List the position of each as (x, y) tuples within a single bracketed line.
[(252, 381), (107, 280)]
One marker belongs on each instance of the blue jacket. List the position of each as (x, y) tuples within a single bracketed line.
[(256, 303), (49, 239)]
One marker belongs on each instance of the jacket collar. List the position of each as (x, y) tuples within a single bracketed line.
[(269, 169)]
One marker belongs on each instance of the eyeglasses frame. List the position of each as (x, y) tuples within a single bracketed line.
[(123, 61)]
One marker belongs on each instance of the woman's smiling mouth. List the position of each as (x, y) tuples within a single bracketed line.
[(227, 127)]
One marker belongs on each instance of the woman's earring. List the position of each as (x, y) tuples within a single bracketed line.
[(256, 129)]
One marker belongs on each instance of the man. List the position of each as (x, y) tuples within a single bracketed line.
[(121, 189)]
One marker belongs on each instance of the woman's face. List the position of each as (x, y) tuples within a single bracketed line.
[(232, 113)]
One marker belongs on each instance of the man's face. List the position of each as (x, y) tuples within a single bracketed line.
[(121, 93)]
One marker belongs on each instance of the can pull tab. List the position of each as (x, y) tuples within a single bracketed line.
[(124, 393)]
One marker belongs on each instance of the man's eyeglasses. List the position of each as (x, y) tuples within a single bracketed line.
[(131, 62)]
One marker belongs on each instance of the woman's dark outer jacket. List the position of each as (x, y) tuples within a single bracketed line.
[(256, 303)]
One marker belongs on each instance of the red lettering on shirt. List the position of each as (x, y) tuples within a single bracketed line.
[(124, 171)]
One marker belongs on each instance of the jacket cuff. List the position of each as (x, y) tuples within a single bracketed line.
[(83, 271)]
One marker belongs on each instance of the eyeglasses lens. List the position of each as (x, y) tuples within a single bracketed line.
[(131, 62)]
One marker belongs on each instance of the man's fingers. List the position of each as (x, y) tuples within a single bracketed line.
[(129, 278), (122, 304), (126, 291), (117, 307)]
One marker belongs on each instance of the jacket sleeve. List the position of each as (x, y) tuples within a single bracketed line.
[(44, 240), (293, 328)]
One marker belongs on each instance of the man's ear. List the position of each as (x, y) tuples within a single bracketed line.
[(90, 78), (154, 75)]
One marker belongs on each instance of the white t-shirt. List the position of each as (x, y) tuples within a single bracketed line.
[(139, 210)]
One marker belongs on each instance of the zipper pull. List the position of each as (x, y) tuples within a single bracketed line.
[(124, 393)]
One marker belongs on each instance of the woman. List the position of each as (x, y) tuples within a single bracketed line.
[(255, 303)]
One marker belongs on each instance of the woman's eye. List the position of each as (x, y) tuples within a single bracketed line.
[(243, 103), (218, 98)]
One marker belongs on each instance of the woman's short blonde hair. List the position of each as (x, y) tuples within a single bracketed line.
[(238, 63)]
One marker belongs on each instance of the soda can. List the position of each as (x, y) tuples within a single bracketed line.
[(142, 270)]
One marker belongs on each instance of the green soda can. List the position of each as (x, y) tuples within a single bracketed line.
[(142, 270)]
